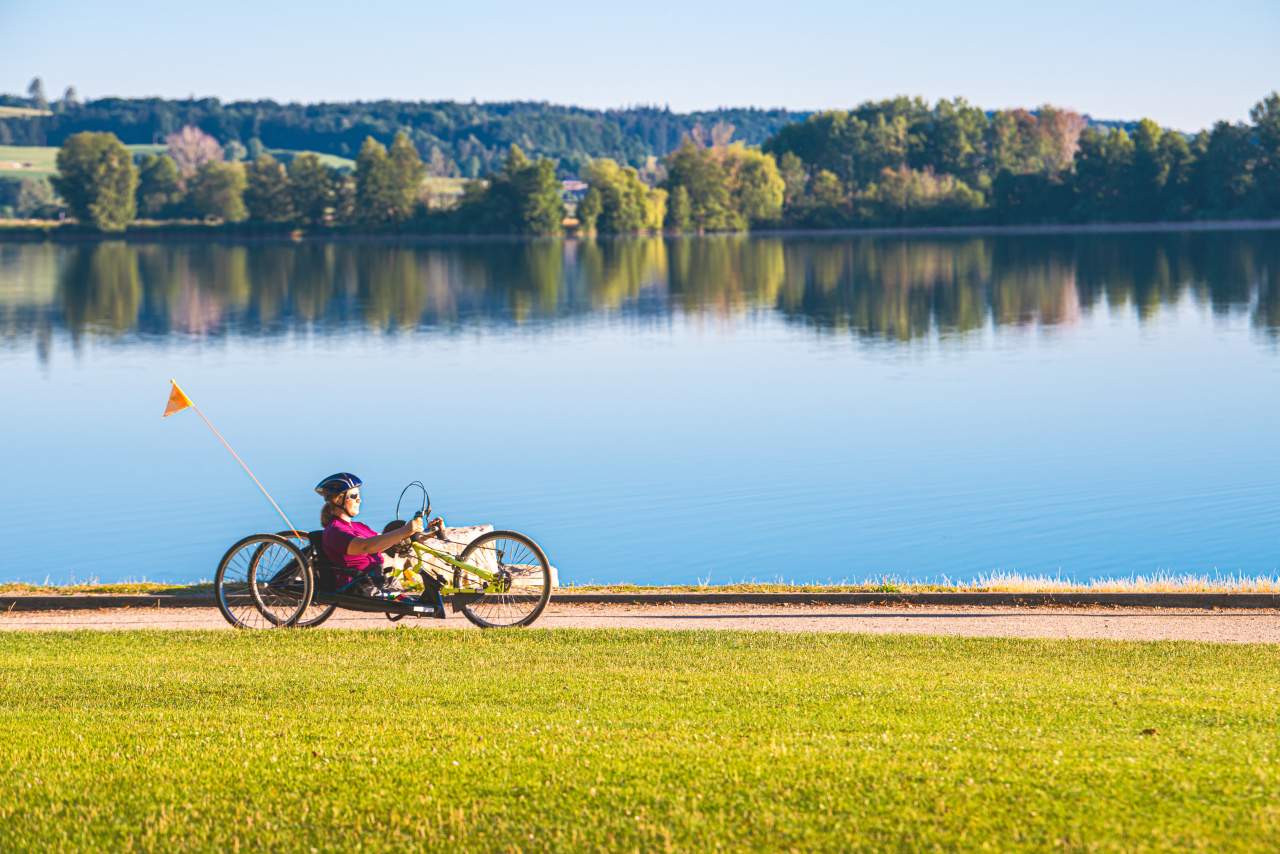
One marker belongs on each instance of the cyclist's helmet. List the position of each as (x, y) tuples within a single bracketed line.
[(336, 484)]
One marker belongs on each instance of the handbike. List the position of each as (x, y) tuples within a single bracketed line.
[(501, 579)]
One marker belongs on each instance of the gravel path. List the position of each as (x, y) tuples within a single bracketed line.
[(1251, 626)]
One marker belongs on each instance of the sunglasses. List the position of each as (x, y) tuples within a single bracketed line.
[(354, 496)]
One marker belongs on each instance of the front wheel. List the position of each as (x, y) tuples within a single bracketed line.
[(523, 584)]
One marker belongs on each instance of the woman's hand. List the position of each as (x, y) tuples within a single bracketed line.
[(434, 528), (415, 526)]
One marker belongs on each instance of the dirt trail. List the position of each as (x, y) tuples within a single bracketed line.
[(1251, 626)]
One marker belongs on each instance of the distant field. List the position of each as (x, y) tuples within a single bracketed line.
[(445, 186), (333, 161), (21, 112), (621, 740), (33, 161), (30, 161), (27, 161)]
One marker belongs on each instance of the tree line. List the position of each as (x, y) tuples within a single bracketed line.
[(192, 179), (903, 162), (900, 162), (467, 140)]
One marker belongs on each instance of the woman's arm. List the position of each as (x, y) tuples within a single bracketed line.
[(382, 542)]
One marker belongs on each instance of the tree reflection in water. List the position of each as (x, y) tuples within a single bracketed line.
[(895, 289)]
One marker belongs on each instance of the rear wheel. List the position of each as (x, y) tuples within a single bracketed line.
[(315, 614), (263, 582), (523, 586)]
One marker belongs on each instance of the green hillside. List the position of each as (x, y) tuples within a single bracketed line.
[(41, 161)]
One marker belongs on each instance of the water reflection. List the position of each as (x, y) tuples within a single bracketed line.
[(891, 289)]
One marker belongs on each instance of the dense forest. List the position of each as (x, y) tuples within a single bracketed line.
[(897, 162), (455, 139), (904, 162)]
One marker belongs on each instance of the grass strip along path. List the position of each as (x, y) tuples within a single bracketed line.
[(633, 740)]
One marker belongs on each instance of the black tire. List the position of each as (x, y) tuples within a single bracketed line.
[(519, 555), (315, 614), (263, 582)]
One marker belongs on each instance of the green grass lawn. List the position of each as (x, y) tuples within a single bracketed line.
[(631, 740)]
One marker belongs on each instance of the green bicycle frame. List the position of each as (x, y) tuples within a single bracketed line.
[(483, 574)]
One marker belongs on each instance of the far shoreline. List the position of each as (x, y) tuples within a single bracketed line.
[(61, 233)]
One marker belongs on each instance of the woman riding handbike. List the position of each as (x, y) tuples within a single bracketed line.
[(298, 579), (353, 548)]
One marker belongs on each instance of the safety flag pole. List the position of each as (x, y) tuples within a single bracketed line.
[(179, 401)]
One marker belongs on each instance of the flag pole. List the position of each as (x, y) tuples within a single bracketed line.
[(189, 402)]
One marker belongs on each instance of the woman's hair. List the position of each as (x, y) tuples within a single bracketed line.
[(332, 508)]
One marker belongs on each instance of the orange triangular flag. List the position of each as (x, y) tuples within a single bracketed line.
[(178, 401)]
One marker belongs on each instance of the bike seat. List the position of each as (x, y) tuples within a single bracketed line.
[(322, 569)]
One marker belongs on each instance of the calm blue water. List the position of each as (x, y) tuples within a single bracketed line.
[(807, 409)]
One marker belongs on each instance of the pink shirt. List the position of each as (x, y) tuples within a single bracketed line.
[(338, 534)]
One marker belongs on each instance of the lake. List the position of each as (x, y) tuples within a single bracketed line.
[(797, 408)]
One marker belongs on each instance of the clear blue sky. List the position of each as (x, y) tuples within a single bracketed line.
[(1184, 64)]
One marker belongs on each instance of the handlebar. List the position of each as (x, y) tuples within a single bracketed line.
[(436, 528)]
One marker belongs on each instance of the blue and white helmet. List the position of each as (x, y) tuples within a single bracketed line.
[(336, 484)]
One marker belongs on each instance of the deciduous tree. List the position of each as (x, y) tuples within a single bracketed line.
[(524, 197), (191, 148), (622, 196), (159, 186), (378, 198), (794, 177), (217, 191), (589, 210), (1228, 164), (267, 193), (312, 187), (97, 178), (1150, 172), (756, 190), (1266, 123), (407, 173), (706, 182), (679, 214)]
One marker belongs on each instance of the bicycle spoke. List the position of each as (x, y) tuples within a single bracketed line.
[(521, 567)]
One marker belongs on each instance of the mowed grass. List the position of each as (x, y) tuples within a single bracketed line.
[(629, 740)]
